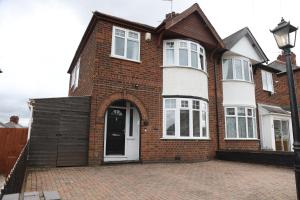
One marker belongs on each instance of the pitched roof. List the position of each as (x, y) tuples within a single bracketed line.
[(2, 125), (168, 23), (275, 110), (165, 24), (280, 66), (13, 125), (232, 39)]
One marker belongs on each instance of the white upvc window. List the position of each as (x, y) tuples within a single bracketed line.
[(240, 123), (185, 118), (267, 81), (237, 68), (75, 75), (184, 53), (125, 44)]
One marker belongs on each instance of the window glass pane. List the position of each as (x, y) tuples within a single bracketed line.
[(184, 123), (249, 112), (241, 111), (196, 123), (170, 56), (184, 104), (242, 127), (170, 103), (230, 111), (193, 47), (204, 120), (170, 45), (132, 49), (170, 122), (251, 73), (250, 127), (196, 104), (270, 81), (238, 69), (264, 80), (183, 57), (246, 71), (227, 69), (131, 123), (119, 32), (133, 35), (194, 59), (183, 44), (119, 46), (202, 62), (231, 127)]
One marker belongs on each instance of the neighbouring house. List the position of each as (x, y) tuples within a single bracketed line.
[(13, 123), (172, 92), (2, 125)]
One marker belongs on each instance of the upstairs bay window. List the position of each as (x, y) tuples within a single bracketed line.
[(125, 44), (237, 69), (240, 123), (267, 81), (185, 119), (184, 53)]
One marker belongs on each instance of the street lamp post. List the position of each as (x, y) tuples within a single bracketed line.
[(285, 36)]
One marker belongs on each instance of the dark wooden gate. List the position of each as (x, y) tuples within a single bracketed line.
[(59, 131)]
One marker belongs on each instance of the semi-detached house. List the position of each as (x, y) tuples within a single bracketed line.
[(176, 91)]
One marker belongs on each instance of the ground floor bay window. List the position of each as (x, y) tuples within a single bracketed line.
[(185, 118), (240, 123)]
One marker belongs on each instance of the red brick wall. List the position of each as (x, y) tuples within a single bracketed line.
[(114, 77), (86, 72)]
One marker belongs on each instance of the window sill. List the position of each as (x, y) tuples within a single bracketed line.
[(123, 58), (236, 80), (186, 68), (239, 139), (183, 138)]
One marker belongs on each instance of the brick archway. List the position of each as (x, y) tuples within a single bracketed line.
[(123, 96)]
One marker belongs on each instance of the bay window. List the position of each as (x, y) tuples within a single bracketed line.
[(184, 53), (237, 68), (267, 81), (125, 44), (185, 118), (240, 123)]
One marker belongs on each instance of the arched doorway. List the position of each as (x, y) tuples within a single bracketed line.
[(122, 132)]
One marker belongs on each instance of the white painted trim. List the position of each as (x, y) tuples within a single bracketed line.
[(247, 139), (184, 138), (177, 118)]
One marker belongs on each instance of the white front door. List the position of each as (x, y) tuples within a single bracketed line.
[(122, 132)]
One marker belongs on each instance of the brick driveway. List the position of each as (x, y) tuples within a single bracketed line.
[(204, 180)]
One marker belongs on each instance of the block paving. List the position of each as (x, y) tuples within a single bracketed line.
[(176, 181)]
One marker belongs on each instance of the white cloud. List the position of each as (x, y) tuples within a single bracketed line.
[(39, 38)]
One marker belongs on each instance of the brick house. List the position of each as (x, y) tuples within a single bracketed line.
[(176, 91)]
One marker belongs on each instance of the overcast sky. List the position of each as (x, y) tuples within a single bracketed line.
[(39, 38)]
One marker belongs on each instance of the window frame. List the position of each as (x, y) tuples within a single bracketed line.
[(190, 108), (246, 116), (234, 59), (200, 51), (269, 81), (126, 38)]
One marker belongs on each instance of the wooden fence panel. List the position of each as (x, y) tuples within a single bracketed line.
[(12, 141)]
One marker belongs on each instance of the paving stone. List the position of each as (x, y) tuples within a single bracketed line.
[(11, 196), (31, 196), (210, 180), (51, 195)]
